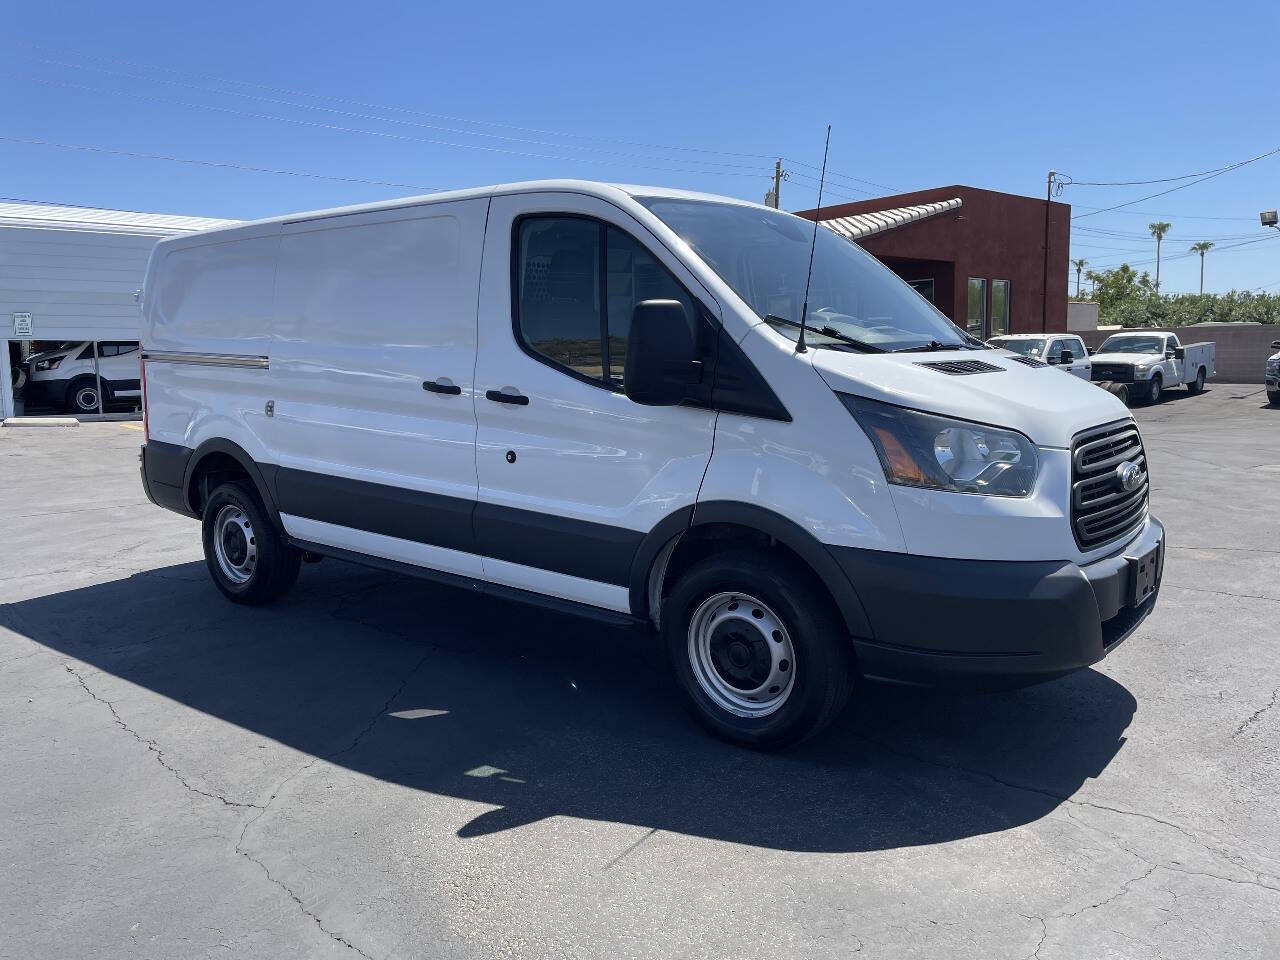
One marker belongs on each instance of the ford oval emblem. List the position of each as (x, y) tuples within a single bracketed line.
[(1129, 475)]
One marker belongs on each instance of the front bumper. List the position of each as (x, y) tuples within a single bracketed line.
[(992, 624)]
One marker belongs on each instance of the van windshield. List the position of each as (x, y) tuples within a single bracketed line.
[(763, 255)]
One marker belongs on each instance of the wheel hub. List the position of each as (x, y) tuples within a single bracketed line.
[(234, 545), (741, 654)]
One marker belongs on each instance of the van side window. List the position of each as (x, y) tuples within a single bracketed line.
[(577, 283)]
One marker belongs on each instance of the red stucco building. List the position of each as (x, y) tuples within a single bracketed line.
[(981, 261)]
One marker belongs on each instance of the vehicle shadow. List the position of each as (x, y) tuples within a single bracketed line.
[(540, 714)]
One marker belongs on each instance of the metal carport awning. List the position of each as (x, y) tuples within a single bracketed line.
[(863, 225)]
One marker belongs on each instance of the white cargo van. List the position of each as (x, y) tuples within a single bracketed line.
[(592, 397)]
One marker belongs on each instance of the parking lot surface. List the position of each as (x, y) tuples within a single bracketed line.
[(380, 767)]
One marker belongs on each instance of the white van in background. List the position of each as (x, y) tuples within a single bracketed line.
[(1065, 351), (593, 397), (66, 378)]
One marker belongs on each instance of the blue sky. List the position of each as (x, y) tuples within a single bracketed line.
[(431, 95)]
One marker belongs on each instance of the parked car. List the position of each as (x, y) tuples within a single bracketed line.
[(1273, 375), (1150, 363), (607, 400), (1065, 351), (64, 377)]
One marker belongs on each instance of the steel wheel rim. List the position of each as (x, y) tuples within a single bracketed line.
[(87, 398), (234, 544), (1155, 390), (742, 655)]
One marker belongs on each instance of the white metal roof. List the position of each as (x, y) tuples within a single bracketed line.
[(48, 216), (863, 225)]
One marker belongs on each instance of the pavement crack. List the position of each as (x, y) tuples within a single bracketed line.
[(1253, 717), (279, 787), (1224, 593), (630, 849), (151, 745), (333, 935), (1089, 804)]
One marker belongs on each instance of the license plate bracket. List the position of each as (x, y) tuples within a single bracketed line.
[(1144, 574)]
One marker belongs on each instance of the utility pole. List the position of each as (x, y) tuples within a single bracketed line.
[(1044, 283), (777, 185)]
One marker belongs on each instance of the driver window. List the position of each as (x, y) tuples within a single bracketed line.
[(578, 282), (1055, 352)]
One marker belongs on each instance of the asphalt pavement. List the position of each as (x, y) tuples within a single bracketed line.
[(380, 767)]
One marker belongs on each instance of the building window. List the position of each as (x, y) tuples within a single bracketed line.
[(977, 325), (923, 287), (999, 307)]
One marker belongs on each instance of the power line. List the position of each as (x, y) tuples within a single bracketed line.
[(86, 148), (298, 121), (1183, 186), (1185, 176), (415, 112)]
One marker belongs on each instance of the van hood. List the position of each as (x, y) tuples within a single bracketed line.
[(1048, 405), (1126, 357)]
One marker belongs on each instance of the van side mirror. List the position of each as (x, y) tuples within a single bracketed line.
[(662, 358), (1177, 353)]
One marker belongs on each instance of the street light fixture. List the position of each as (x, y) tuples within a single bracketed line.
[(1269, 219)]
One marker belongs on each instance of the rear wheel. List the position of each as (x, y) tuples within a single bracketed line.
[(249, 561), (1273, 397), (1197, 384), (82, 395), (760, 652)]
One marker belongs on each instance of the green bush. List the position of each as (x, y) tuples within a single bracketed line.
[(1129, 299)]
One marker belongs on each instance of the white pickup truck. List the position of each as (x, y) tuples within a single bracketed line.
[(1150, 363)]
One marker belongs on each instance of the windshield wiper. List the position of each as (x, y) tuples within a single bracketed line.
[(831, 332), (933, 345)]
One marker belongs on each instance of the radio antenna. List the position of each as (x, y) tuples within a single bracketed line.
[(804, 310)]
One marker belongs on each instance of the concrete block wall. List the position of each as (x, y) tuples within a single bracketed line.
[(1242, 348)]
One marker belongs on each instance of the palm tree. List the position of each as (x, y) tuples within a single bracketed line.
[(1203, 247), (1079, 265), (1158, 230)]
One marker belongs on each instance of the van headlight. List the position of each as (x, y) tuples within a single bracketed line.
[(919, 449), (50, 364)]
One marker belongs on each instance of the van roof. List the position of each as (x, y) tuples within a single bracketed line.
[(607, 191)]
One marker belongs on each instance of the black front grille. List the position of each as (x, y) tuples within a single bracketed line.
[(1115, 372), (959, 368), (1029, 361), (1102, 511)]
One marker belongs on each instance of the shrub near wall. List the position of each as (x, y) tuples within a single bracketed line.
[(1183, 309)]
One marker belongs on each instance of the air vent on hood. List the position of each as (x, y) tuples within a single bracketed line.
[(959, 368), (1029, 361)]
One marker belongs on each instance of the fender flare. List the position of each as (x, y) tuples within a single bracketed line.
[(787, 532), (258, 474)]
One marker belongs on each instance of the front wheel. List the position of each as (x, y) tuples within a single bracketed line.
[(1156, 389), (249, 561), (761, 654)]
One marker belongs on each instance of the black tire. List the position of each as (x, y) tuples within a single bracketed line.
[(1156, 391), (269, 564), (82, 395), (1197, 385), (822, 671), (1273, 397), (1122, 392)]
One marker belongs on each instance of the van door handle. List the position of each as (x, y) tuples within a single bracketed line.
[(503, 397), (440, 386)]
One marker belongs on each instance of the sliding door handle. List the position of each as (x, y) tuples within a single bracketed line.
[(502, 396), (441, 386)]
